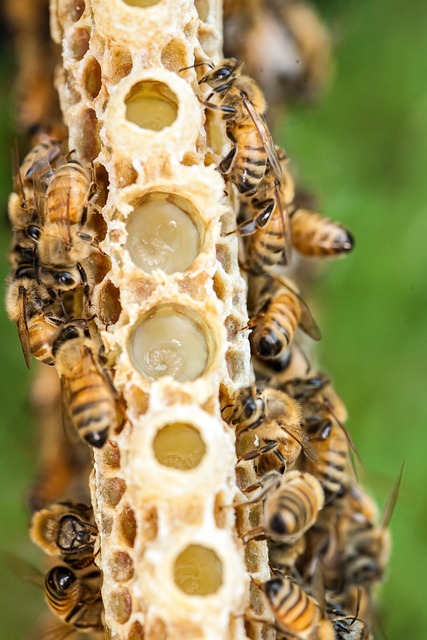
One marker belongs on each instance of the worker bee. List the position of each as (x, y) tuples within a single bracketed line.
[(74, 599), (290, 507), (331, 443), (316, 236), (295, 612), (68, 195), (63, 529), (242, 106), (89, 398), (37, 167), (64, 244), (276, 420), (281, 310), (267, 220), (26, 304), (367, 545)]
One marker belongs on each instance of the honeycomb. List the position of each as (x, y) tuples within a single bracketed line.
[(162, 488)]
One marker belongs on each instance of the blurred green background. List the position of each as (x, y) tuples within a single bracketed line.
[(363, 152)]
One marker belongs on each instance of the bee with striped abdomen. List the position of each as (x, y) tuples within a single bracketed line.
[(295, 612), (281, 311), (275, 419), (31, 306), (89, 398), (290, 507), (73, 598), (316, 236), (242, 106)]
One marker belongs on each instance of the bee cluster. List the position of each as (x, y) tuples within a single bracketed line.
[(125, 277)]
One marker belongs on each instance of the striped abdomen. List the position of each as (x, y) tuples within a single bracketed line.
[(43, 331), (293, 508), (332, 449), (295, 611), (67, 194), (250, 160), (91, 405), (267, 245), (315, 235), (63, 592), (275, 331)]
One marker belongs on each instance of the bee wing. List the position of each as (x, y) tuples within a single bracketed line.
[(49, 628), (283, 211), (23, 332), (346, 433), (391, 503), (266, 137), (68, 424), (301, 437), (22, 569), (41, 173), (17, 176), (307, 323)]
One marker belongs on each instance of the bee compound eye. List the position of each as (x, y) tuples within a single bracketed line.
[(33, 232), (272, 588), (67, 532), (97, 438), (60, 578), (65, 279)]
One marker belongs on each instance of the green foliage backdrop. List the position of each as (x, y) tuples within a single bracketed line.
[(363, 151)]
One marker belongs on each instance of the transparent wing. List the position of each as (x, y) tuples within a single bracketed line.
[(266, 137), (23, 332)]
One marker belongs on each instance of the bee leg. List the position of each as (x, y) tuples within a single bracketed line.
[(82, 563), (86, 288), (217, 107), (250, 455), (227, 162)]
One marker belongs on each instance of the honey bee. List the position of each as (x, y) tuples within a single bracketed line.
[(268, 227), (295, 612), (68, 195), (290, 507), (64, 244), (281, 312), (350, 628), (331, 444), (74, 599), (367, 545), (242, 106), (26, 303), (37, 166), (89, 398), (276, 419), (63, 529), (316, 236)]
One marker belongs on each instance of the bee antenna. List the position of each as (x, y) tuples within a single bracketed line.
[(198, 64), (358, 601)]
